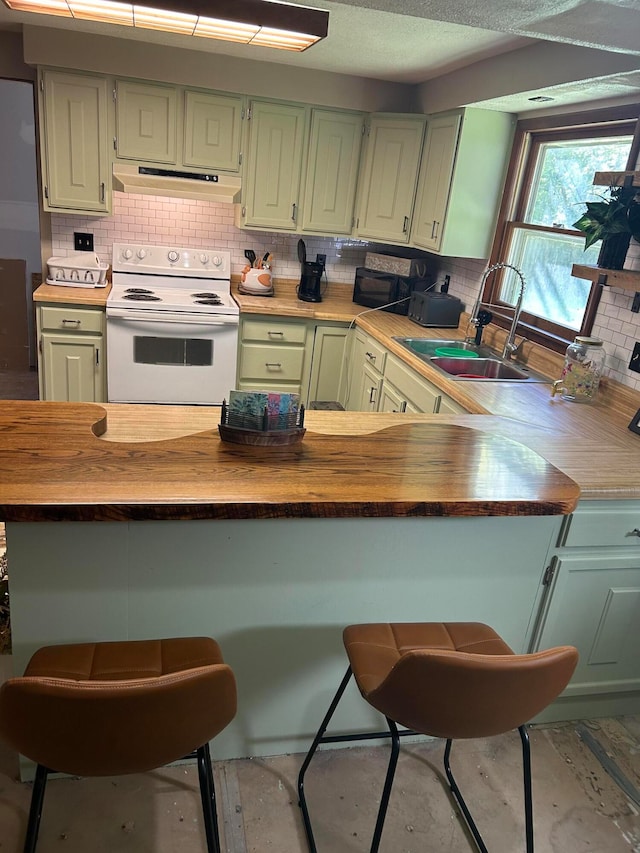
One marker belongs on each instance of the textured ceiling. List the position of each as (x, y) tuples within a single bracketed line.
[(414, 41)]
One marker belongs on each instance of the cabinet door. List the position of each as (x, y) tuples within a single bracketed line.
[(72, 368), (272, 179), (417, 394), (212, 130), (74, 144), (146, 122), (390, 399), (595, 606), (326, 363), (332, 171), (388, 179), (435, 181), (450, 407), (370, 391)]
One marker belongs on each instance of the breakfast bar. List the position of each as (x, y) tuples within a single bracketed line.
[(270, 550)]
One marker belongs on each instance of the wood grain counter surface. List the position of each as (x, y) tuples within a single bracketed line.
[(55, 466), (591, 443)]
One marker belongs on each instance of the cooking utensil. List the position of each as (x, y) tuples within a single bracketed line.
[(250, 255)]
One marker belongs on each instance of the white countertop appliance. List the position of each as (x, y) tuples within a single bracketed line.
[(172, 326)]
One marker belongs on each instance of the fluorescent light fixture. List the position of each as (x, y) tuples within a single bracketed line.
[(268, 23)]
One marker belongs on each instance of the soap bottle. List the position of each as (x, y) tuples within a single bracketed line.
[(583, 365)]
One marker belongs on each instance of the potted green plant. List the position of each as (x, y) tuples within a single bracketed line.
[(614, 220)]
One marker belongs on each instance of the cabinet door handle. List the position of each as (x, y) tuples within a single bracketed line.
[(97, 358), (102, 192), (370, 356), (75, 323), (403, 406), (293, 212), (405, 226), (435, 227), (273, 334), (372, 394)]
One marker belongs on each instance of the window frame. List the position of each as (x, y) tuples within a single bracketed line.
[(530, 134)]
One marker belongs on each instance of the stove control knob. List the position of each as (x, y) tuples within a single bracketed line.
[(141, 253), (127, 254), (173, 255), (216, 260), (204, 258)]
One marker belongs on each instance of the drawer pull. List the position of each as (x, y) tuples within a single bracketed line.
[(273, 364), (370, 356), (634, 532), (273, 334), (71, 322)]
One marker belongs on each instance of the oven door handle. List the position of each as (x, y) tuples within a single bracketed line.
[(172, 317)]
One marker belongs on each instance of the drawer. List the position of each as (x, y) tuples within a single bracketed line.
[(271, 363), (374, 354), (607, 524), (276, 332), (71, 319)]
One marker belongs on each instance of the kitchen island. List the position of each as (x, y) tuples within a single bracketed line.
[(272, 551)]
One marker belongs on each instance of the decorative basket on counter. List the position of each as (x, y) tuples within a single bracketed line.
[(264, 430)]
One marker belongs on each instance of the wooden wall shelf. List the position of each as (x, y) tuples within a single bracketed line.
[(626, 279), (615, 179)]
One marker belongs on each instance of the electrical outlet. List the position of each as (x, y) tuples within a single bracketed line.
[(634, 364), (444, 288), (635, 305), (321, 259), (82, 242)]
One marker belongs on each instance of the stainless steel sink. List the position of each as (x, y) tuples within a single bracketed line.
[(425, 348), (485, 369)]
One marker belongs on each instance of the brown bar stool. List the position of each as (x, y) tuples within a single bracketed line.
[(107, 709), (448, 680)]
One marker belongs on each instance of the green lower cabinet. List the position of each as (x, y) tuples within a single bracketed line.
[(327, 358), (593, 603), (73, 368)]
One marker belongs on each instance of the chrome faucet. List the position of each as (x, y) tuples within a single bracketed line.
[(510, 347)]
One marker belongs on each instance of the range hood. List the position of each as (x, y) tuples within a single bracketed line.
[(171, 182)]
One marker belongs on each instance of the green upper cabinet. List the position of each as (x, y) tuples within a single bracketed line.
[(146, 121), (332, 171), (73, 127), (388, 177), (212, 130), (465, 158), (273, 166)]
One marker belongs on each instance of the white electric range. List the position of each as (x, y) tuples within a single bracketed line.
[(172, 326)]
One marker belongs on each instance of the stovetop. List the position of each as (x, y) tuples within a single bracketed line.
[(167, 278)]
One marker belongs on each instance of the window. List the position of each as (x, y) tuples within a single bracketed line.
[(554, 169)]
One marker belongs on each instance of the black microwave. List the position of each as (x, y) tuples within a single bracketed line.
[(387, 291)]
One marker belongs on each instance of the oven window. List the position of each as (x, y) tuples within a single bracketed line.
[(189, 352)]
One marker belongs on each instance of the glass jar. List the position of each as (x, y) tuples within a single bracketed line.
[(583, 365)]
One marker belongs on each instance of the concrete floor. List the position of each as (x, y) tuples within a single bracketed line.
[(578, 807)]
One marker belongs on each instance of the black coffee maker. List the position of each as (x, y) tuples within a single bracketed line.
[(311, 278)]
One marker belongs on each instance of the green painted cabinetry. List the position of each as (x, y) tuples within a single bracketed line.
[(327, 357), (593, 603), (273, 166), (388, 177), (212, 130), (73, 136), (146, 121), (332, 171), (71, 353), (462, 174)]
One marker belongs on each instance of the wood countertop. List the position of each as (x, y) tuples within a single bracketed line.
[(590, 442), (54, 465)]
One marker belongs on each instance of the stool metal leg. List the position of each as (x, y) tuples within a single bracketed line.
[(528, 798), (460, 800), (302, 802), (388, 784), (35, 810), (208, 797)]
